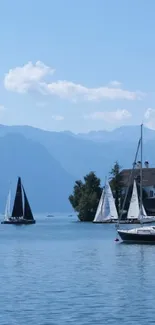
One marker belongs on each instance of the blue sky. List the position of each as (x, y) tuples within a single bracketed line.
[(77, 65)]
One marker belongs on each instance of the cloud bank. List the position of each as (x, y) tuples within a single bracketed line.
[(35, 77)]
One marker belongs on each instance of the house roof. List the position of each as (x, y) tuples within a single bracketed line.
[(148, 176)]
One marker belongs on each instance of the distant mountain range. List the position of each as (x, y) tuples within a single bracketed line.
[(124, 133), (49, 162)]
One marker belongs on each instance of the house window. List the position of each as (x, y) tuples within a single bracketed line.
[(151, 193)]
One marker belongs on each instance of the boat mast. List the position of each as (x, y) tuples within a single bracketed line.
[(129, 182), (141, 174)]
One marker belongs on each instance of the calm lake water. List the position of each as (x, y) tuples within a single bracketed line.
[(61, 272)]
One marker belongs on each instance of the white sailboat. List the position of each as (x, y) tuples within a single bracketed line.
[(133, 212), (8, 207), (134, 209), (106, 210), (98, 215), (112, 206), (145, 218)]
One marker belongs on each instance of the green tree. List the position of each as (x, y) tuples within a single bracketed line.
[(86, 196), (116, 184)]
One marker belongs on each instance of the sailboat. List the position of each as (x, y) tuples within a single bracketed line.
[(133, 211), (106, 210), (99, 212), (143, 233), (146, 218), (133, 215), (21, 212)]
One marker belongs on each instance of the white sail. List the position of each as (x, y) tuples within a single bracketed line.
[(133, 212), (144, 218), (98, 215), (112, 206), (106, 209), (143, 211), (7, 207), (103, 210)]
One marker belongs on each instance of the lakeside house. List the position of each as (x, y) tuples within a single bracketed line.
[(148, 182)]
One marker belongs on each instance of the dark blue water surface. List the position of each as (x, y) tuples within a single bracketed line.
[(60, 272)]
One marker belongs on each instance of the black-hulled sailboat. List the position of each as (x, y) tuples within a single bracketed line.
[(141, 234), (21, 212)]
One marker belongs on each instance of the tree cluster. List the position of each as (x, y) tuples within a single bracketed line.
[(87, 193), (86, 196)]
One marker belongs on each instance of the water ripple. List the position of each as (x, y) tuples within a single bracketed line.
[(61, 272)]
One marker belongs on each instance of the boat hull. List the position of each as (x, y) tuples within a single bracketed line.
[(136, 238), (148, 220), (104, 221), (18, 222), (127, 221), (131, 222)]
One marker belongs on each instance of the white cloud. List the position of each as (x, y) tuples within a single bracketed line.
[(29, 76), (70, 90), (58, 117), (33, 77), (150, 118), (110, 117), (115, 83)]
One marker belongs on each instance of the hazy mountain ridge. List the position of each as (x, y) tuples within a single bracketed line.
[(42, 175), (128, 133), (77, 155), (49, 162)]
